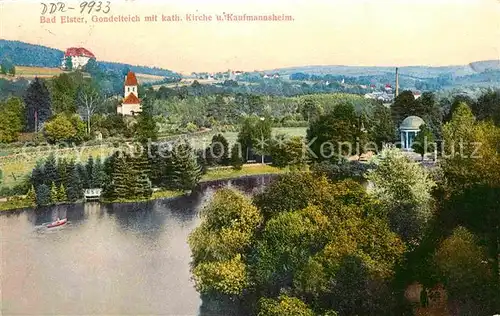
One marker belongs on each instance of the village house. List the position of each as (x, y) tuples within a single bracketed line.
[(131, 103), (79, 57)]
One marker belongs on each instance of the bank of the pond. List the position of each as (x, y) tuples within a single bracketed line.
[(216, 174)]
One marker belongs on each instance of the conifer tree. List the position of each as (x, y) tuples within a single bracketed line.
[(84, 178), (90, 172), (62, 170), (61, 194), (139, 175), (75, 188), (236, 157), (98, 175), (146, 125), (120, 187), (54, 194), (37, 175), (31, 196), (50, 171), (43, 195), (38, 105), (186, 170)]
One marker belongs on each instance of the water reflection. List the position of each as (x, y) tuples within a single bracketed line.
[(122, 259)]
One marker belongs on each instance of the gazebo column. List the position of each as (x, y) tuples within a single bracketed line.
[(407, 140), (401, 133)]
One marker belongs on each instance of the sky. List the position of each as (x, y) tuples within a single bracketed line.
[(323, 32)]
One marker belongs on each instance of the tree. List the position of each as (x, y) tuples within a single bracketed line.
[(335, 135), (428, 109), (404, 188), (50, 174), (424, 141), (64, 89), (54, 194), (462, 265), (119, 186), (62, 196), (307, 237), (89, 99), (98, 175), (255, 134), (217, 154), (292, 191), (486, 107), (89, 170), (310, 109), (31, 196), (11, 119), (62, 128), (288, 152), (404, 105), (187, 172), (139, 172), (12, 71), (236, 157), (75, 187), (62, 171), (38, 105), (284, 306), (229, 223), (43, 195), (147, 130), (383, 130), (6, 66)]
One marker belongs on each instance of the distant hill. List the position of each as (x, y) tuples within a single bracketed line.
[(421, 72), (24, 54)]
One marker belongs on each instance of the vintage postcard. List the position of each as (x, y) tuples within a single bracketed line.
[(250, 158)]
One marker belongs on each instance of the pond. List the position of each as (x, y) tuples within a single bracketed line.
[(109, 259)]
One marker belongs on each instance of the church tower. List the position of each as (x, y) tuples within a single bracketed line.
[(131, 84), (131, 104)]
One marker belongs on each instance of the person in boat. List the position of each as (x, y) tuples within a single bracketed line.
[(57, 220)]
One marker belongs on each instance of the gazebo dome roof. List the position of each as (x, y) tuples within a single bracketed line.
[(411, 123)]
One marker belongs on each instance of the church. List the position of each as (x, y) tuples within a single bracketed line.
[(131, 103)]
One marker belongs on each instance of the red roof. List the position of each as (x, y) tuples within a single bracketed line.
[(131, 79), (131, 99), (78, 51)]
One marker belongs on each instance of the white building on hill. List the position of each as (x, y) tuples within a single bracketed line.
[(131, 103), (79, 57)]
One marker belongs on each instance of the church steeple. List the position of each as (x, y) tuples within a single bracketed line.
[(131, 84)]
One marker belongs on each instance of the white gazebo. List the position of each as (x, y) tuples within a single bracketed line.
[(408, 129)]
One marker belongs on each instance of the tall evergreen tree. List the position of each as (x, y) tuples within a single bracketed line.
[(139, 175), (50, 171), (89, 167), (54, 194), (75, 187), (62, 196), (31, 196), (119, 187), (383, 129), (147, 130), (98, 175), (43, 195), (187, 172), (218, 152), (38, 105), (37, 175), (62, 170), (84, 177)]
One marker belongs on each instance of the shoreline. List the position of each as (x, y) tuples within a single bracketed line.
[(225, 174)]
